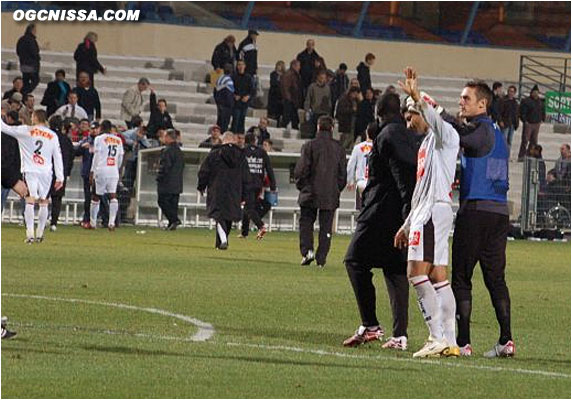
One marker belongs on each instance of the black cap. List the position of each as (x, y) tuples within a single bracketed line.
[(535, 87), (253, 32)]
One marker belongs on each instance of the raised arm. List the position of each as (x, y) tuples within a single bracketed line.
[(15, 131)]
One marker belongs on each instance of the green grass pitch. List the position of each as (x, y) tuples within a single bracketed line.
[(278, 327)]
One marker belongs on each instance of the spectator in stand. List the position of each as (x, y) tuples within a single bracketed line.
[(11, 174), (160, 117), (224, 97), (318, 100), (17, 85), (248, 52), (56, 94), (274, 109), (261, 131), (319, 66), (339, 84), (354, 82), (240, 140), (365, 114), (357, 165), (224, 53), (27, 109), (496, 103), (532, 114), (72, 109), (135, 140), (85, 57), (346, 113), (363, 70), (82, 132), (391, 89), (291, 88), (213, 139), (170, 179), (562, 167), (71, 127), (509, 120), (267, 146), (259, 166), (225, 174), (14, 103), (132, 102), (307, 58), (68, 153), (320, 175), (29, 55), (243, 91), (86, 150), (88, 97)]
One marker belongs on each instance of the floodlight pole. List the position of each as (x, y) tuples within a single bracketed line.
[(470, 22), (361, 18), (247, 14)]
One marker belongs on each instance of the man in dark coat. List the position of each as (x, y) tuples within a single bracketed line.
[(29, 54), (339, 84), (170, 178), (363, 73), (509, 120), (56, 94), (160, 117), (225, 174), (68, 154), (11, 175), (85, 56), (224, 53), (88, 97), (259, 166), (320, 175), (292, 90), (307, 57), (496, 103), (386, 202), (243, 92), (532, 115), (248, 52)]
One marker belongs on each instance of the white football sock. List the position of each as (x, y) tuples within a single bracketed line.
[(446, 300), (94, 210), (221, 233), (29, 218), (113, 207), (427, 300), (42, 218)]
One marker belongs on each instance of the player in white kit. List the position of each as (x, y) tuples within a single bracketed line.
[(426, 230), (107, 158), (38, 147), (357, 165)]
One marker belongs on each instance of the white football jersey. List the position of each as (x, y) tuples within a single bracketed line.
[(357, 166), (38, 146), (108, 155), (436, 165)]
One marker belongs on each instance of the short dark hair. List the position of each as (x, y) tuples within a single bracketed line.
[(228, 68), (343, 67), (136, 121), (354, 90), (162, 101), (369, 56), (144, 81), (321, 71), (14, 115), (482, 90), (60, 72), (513, 87), (172, 133), (371, 130), (250, 138), (84, 119), (389, 106), (26, 96), (497, 85), (16, 78), (105, 126), (325, 123), (56, 123)]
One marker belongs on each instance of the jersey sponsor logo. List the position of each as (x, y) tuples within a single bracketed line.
[(421, 163), (39, 132), (38, 159), (414, 238), (366, 148), (110, 161), (112, 140)]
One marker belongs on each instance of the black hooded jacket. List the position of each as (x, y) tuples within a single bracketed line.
[(259, 166), (28, 51), (224, 174)]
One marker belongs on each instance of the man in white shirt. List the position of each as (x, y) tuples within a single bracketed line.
[(38, 147), (72, 109), (107, 159), (357, 165), (426, 230)]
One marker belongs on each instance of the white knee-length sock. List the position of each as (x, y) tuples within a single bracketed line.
[(29, 219), (446, 300), (427, 300), (94, 210), (113, 207), (42, 218)]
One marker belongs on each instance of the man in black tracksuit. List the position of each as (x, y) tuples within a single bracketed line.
[(386, 202), (243, 92), (29, 56), (320, 175), (225, 173), (482, 223), (248, 52), (170, 179), (259, 166)]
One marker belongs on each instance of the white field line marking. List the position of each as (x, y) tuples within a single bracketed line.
[(205, 331), (210, 331)]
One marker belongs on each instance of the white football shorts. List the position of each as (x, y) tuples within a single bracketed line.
[(429, 242), (105, 185), (39, 185)]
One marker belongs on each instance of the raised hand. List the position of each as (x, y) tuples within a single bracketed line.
[(410, 86)]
